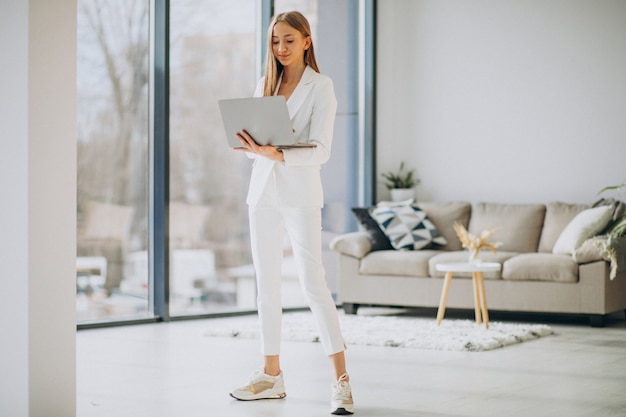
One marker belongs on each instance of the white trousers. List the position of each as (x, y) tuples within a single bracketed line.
[(303, 226)]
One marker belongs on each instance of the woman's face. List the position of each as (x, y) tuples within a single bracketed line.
[(288, 44)]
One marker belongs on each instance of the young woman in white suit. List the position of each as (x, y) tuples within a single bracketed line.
[(286, 194)]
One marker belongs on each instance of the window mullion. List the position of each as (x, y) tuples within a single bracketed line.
[(159, 190)]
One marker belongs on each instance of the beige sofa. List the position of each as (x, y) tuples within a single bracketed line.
[(532, 277)]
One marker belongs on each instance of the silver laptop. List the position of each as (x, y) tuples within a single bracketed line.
[(266, 119)]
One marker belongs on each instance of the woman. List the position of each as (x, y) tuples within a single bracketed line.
[(285, 194)]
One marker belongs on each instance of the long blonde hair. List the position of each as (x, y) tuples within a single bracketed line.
[(273, 68)]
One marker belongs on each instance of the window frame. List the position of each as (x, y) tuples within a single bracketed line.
[(158, 252)]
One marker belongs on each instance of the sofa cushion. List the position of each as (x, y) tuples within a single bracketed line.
[(520, 224), (407, 227), (461, 256), (558, 215), (377, 238), (540, 267), (393, 262), (444, 215), (586, 224)]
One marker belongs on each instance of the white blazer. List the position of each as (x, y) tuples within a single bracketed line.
[(297, 182)]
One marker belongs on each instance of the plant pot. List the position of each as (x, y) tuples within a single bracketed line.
[(401, 194)]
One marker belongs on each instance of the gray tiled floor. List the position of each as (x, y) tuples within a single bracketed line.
[(172, 370)]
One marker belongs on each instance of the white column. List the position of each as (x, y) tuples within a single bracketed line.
[(37, 208)]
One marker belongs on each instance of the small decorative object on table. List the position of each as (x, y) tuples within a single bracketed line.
[(475, 243), (401, 183)]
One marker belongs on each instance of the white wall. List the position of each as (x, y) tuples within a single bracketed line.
[(38, 210), (13, 214), (503, 100)]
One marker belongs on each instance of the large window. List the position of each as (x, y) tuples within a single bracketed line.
[(113, 75), (212, 56), (214, 53)]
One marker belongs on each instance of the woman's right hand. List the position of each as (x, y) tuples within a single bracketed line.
[(249, 145)]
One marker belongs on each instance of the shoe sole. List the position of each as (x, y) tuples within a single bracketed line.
[(279, 396), (342, 412)]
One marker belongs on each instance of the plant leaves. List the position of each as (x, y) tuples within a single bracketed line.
[(613, 187)]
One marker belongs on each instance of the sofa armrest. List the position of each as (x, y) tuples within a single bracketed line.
[(356, 244)]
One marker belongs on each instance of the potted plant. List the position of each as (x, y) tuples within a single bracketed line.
[(616, 231), (401, 183)]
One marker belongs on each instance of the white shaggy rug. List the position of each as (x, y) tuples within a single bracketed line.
[(394, 331)]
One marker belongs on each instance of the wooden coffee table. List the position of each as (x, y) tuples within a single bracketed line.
[(480, 300)]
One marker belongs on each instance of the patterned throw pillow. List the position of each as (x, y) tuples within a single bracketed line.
[(407, 227), (377, 237)]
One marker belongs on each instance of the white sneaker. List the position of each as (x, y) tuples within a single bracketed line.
[(341, 401), (261, 386)]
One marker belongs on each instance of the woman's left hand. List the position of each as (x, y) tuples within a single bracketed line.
[(249, 145)]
